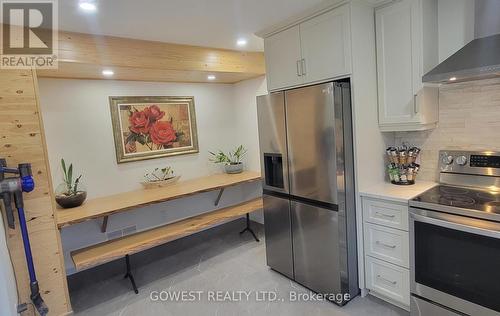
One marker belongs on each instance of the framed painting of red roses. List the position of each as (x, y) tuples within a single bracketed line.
[(153, 127)]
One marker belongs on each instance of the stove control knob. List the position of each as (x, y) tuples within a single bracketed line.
[(461, 160), (447, 159)]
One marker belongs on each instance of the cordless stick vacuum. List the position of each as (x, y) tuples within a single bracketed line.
[(22, 181)]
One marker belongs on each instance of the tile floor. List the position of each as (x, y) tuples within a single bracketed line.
[(214, 260)]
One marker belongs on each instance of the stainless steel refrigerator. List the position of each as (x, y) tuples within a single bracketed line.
[(307, 164)]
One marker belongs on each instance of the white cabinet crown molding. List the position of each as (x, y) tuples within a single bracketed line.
[(319, 9)]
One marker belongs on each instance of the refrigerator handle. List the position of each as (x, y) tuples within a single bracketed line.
[(303, 63)]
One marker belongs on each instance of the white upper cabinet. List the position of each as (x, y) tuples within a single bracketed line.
[(326, 45), (283, 59), (314, 50), (407, 47)]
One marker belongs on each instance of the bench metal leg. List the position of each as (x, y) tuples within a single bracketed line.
[(217, 200), (249, 229), (104, 225), (129, 275)]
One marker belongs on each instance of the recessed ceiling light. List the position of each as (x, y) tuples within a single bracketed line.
[(241, 42), (452, 79), (108, 72), (88, 6), (211, 77)]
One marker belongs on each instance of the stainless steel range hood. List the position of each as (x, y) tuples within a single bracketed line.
[(480, 58)]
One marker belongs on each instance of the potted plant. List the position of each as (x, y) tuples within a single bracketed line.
[(232, 160), (70, 193), (159, 178)]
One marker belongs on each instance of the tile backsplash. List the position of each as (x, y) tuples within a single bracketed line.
[(469, 119)]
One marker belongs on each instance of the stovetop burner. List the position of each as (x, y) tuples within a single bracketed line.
[(453, 200), (453, 190), (465, 198)]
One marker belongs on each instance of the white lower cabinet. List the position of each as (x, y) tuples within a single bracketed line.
[(387, 244), (388, 281), (386, 250), (385, 213)]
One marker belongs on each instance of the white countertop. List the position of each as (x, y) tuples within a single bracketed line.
[(397, 193)]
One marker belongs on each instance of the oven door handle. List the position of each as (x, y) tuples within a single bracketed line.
[(456, 226)]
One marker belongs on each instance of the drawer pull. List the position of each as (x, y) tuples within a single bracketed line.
[(385, 245), (384, 215), (385, 280)]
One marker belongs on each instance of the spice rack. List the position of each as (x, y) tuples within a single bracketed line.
[(402, 167)]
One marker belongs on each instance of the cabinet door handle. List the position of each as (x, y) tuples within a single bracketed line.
[(384, 215), (385, 245), (415, 106), (388, 281), (299, 66), (303, 62)]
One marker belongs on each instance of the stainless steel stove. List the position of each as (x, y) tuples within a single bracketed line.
[(455, 238), (460, 200)]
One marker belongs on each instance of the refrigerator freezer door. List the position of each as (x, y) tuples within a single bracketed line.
[(312, 128), (272, 139), (278, 234), (316, 248)]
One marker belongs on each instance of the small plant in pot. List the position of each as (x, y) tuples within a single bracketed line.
[(232, 160), (72, 192)]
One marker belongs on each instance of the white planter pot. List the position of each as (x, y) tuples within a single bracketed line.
[(234, 168)]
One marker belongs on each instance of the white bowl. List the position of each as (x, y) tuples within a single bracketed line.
[(160, 184)]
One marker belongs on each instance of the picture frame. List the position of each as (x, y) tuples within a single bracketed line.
[(150, 127)]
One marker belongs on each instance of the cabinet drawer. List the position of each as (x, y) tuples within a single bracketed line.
[(385, 213), (388, 244), (388, 280)]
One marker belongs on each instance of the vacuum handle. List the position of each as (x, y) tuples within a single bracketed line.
[(26, 175), (25, 170), (7, 202), (3, 164)]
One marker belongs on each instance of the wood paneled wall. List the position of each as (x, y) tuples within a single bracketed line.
[(22, 140)]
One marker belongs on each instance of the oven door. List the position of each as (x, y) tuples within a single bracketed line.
[(455, 261)]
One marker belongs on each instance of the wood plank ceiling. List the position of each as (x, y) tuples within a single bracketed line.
[(84, 56)]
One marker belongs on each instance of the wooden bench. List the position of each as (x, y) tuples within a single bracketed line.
[(125, 246), (117, 248)]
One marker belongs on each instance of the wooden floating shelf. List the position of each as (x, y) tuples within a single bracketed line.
[(84, 56), (105, 206), (118, 248)]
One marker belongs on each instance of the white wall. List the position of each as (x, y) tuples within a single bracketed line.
[(456, 25), (78, 127), (245, 105), (370, 143), (8, 290)]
